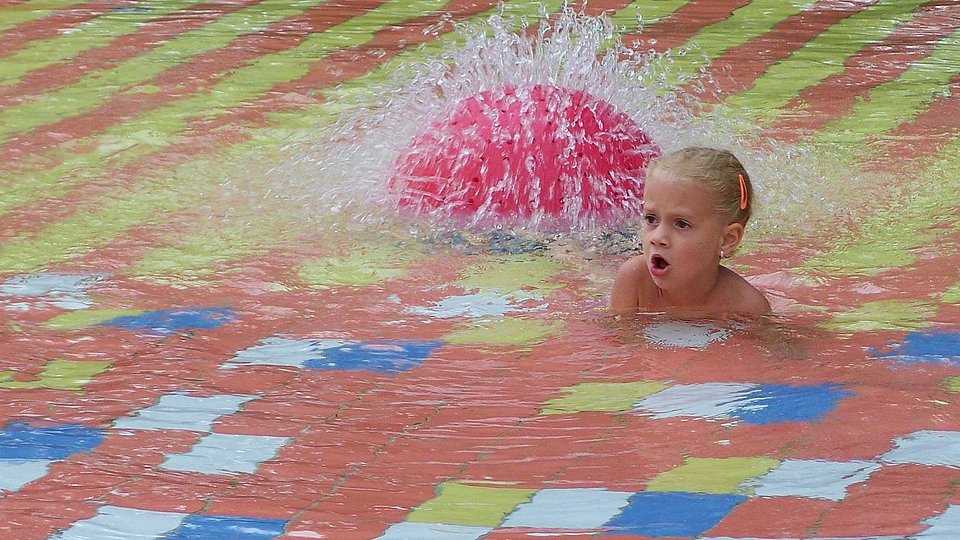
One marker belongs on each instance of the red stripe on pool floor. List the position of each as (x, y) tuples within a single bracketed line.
[(897, 498), (421, 454), (197, 75), (875, 64), (678, 27), (913, 145), (52, 25), (342, 65), (40, 213), (738, 68), (205, 134), (346, 64), (149, 36), (774, 517)]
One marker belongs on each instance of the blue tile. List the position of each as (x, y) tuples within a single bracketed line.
[(922, 347), (672, 513), (206, 527), (170, 321), (382, 357), (20, 440), (774, 403)]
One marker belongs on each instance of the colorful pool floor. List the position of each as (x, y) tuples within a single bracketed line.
[(164, 378)]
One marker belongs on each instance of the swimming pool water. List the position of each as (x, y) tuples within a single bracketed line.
[(202, 341)]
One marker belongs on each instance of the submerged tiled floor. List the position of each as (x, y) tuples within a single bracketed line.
[(269, 434), (165, 374)]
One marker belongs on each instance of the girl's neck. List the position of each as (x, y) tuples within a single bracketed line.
[(694, 296)]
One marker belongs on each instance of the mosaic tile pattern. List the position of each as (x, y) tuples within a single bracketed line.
[(378, 357), (28, 450), (118, 522), (176, 364), (753, 404)]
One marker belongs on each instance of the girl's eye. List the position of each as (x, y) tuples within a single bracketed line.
[(682, 224), (650, 219)]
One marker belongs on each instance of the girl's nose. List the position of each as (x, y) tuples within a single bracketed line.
[(658, 237)]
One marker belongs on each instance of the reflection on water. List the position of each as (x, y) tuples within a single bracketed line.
[(217, 321)]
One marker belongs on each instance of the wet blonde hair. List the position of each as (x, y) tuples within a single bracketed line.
[(717, 170)]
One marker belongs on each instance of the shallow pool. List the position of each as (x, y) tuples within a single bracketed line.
[(216, 325)]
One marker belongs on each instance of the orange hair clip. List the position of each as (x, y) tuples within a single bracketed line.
[(743, 192)]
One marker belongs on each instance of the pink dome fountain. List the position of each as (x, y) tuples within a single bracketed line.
[(527, 152)]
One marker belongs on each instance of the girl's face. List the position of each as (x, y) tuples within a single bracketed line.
[(683, 233)]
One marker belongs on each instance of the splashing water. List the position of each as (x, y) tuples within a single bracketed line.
[(543, 129), (524, 152)]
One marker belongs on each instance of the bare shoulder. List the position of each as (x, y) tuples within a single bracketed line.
[(742, 297), (632, 267), (625, 295), (754, 301)]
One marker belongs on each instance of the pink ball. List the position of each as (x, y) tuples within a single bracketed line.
[(539, 151)]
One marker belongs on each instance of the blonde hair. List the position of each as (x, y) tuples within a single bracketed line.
[(719, 171)]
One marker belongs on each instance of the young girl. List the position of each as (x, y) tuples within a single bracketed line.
[(697, 202)]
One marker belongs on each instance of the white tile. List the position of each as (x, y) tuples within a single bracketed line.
[(182, 412), (709, 400), (277, 351), (577, 508), (814, 479), (16, 473), (926, 448), (117, 523), (432, 531), (945, 526), (677, 334), (219, 453)]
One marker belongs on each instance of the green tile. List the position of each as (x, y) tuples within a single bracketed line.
[(88, 317), (512, 273), (601, 397), (882, 315), (951, 295), (58, 375), (364, 267), (886, 241), (504, 331), (462, 504), (712, 475)]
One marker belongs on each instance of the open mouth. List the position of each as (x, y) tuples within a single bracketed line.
[(658, 265), (657, 262)]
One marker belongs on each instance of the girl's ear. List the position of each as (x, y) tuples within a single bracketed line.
[(731, 237)]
